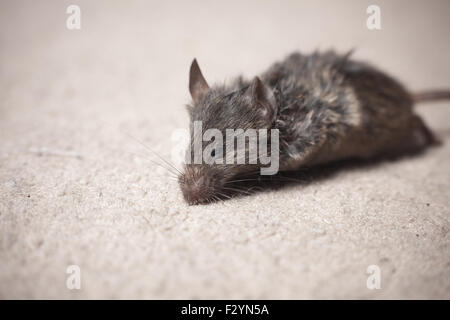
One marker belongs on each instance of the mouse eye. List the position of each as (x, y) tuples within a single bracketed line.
[(213, 153)]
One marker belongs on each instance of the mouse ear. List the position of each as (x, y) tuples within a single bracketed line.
[(197, 83), (263, 99)]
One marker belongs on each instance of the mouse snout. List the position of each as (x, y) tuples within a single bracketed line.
[(196, 190), (198, 186)]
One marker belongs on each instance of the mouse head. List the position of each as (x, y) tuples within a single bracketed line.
[(218, 120)]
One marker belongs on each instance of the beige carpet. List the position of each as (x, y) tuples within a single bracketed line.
[(77, 189)]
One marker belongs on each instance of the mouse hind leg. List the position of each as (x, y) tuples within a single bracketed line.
[(419, 138), (422, 135)]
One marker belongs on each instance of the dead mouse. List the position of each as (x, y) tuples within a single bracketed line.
[(325, 107)]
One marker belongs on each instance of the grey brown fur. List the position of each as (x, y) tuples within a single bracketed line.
[(326, 106)]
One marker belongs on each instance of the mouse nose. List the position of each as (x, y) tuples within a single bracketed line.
[(200, 184), (197, 190)]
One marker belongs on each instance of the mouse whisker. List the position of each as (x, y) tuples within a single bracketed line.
[(224, 195), (169, 169), (216, 198), (236, 190), (154, 152), (240, 180)]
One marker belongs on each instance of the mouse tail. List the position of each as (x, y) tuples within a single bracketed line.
[(431, 95)]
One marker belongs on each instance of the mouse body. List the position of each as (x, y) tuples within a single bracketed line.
[(325, 106)]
